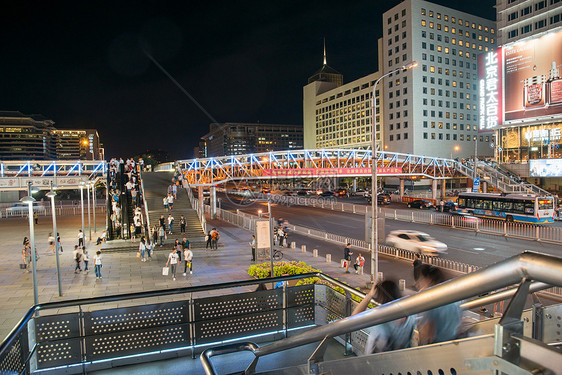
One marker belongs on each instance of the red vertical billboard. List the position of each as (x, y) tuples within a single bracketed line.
[(490, 90)]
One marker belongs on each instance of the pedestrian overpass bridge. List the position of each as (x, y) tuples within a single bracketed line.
[(15, 175), (317, 163)]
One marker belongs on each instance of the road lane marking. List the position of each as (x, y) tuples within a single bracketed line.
[(478, 248)]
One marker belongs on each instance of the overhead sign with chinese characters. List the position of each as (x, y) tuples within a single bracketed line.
[(315, 172), (490, 90)]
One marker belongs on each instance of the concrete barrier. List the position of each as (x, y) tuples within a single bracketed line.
[(303, 248), (402, 285), (293, 245), (315, 253), (328, 258)]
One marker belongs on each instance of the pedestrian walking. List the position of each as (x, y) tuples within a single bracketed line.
[(142, 249), (80, 238), (173, 262), (359, 262), (26, 257), (170, 202), (162, 221), (214, 238), (347, 256), (182, 224), (253, 246), (86, 259), (393, 335), (161, 235), (165, 202), (416, 264), (77, 258), (208, 240), (442, 323), (58, 242), (133, 232), (51, 241), (187, 259), (149, 248), (36, 218), (97, 264), (170, 223)]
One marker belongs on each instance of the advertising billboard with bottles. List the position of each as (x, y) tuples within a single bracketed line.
[(521, 82)]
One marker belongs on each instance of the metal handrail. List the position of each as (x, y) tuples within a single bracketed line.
[(145, 205), (534, 266), (528, 265)]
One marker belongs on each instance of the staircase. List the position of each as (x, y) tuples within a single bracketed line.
[(497, 178), (156, 187)]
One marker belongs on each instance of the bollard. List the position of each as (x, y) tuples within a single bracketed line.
[(303, 248), (353, 208), (328, 258), (380, 277), (359, 270), (402, 285), (315, 253), (293, 245)]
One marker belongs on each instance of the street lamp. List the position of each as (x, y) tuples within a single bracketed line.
[(456, 148), (82, 210), (89, 218), (52, 195), (374, 182), (29, 201), (94, 206)]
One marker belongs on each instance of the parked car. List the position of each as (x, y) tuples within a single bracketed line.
[(382, 198), (420, 203), (342, 193), (449, 206), (360, 192), (327, 193), (304, 192), (418, 242), (289, 193)]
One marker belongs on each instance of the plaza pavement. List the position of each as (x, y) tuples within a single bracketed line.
[(122, 271)]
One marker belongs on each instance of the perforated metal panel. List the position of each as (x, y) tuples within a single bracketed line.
[(118, 344), (13, 360), (300, 316), (300, 295), (237, 304), (552, 324), (58, 353), (135, 318), (57, 327), (335, 305), (359, 340), (239, 326)]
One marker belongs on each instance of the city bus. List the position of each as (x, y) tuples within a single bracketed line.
[(510, 207)]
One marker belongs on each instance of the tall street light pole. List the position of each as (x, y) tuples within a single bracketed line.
[(29, 201), (82, 210), (52, 195), (374, 177), (89, 217), (94, 205), (270, 234)]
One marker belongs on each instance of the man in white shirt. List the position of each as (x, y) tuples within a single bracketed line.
[(173, 262), (80, 238), (187, 257), (170, 223)]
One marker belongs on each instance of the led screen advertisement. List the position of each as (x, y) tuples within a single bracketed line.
[(521, 82), (532, 83), (545, 168)]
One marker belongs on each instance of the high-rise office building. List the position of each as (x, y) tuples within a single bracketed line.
[(518, 19), (25, 137), (337, 115), (34, 137), (433, 109), (246, 138)]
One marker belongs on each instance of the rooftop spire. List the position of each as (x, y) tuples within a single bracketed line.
[(325, 63)]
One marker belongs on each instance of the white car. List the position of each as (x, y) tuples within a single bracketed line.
[(415, 241), (22, 209)]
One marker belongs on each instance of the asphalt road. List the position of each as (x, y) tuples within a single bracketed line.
[(463, 246)]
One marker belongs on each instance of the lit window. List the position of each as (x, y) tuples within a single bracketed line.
[(432, 69), (423, 23), (431, 24), (423, 12), (446, 49), (439, 48), (431, 13), (446, 28)]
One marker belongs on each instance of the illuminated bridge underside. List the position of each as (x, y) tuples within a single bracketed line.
[(14, 175), (314, 164)]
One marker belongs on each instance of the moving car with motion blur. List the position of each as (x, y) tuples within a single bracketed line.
[(417, 242)]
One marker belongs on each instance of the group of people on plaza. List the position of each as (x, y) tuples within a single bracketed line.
[(212, 239), (175, 258), (171, 196)]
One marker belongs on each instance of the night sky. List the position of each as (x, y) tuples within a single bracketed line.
[(82, 64)]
